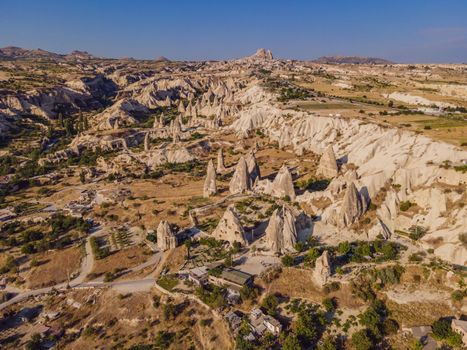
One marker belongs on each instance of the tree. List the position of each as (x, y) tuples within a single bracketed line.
[(60, 119), (69, 129), (170, 311), (82, 177), (287, 260), (80, 122), (361, 340), (311, 255), (291, 343), (344, 248), (441, 329), (299, 247), (270, 304), (328, 344), (228, 262), (34, 343), (329, 304), (187, 244), (416, 344), (307, 327), (390, 326)]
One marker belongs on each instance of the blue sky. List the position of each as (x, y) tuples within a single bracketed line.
[(401, 30)]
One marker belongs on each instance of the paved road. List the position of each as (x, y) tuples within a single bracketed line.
[(86, 267)]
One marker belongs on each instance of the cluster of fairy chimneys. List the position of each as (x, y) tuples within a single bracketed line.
[(174, 130), (246, 175)]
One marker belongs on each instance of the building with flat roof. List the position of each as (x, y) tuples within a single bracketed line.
[(460, 327), (262, 323), (198, 275), (233, 279)]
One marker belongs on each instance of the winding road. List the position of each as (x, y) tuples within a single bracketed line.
[(78, 282)]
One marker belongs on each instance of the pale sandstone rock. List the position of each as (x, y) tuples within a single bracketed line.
[(281, 233), (283, 184), (253, 168), (352, 208), (166, 238), (210, 188), (240, 181), (146, 142), (323, 269), (327, 166), (220, 161), (229, 228)]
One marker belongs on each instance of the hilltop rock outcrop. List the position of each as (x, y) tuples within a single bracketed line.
[(229, 228)]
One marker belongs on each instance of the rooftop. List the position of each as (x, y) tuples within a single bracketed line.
[(460, 324), (236, 276)]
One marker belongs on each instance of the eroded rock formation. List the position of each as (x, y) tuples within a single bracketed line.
[(240, 181), (166, 238), (281, 233), (229, 228), (327, 166), (210, 188), (323, 269)]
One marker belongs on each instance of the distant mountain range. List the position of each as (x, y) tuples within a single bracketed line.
[(13, 52), (351, 60)]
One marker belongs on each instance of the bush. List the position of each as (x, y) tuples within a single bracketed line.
[(417, 232), (99, 253), (441, 329), (405, 205), (311, 255), (288, 260), (361, 340), (344, 248), (329, 304), (291, 343), (270, 304), (458, 295), (167, 282)]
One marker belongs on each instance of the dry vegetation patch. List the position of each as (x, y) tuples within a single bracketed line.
[(415, 314), (54, 267), (123, 259)]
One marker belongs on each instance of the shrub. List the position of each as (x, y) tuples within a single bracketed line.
[(288, 260), (417, 232), (167, 282), (329, 304), (311, 255), (405, 205), (269, 304), (458, 295), (361, 340)]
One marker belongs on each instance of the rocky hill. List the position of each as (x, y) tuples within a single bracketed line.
[(12, 52), (351, 60)]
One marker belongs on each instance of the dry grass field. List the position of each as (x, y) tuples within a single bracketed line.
[(125, 258), (54, 267)]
